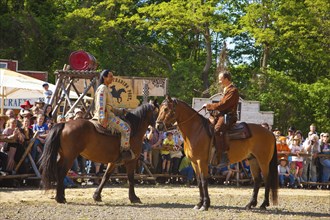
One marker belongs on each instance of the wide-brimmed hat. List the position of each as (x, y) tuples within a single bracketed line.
[(26, 104), (40, 101)]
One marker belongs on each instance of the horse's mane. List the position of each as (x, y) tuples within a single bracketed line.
[(206, 123), (137, 116)]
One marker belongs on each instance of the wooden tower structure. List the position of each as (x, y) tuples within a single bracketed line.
[(66, 88)]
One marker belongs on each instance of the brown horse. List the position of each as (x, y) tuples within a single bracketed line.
[(80, 137), (259, 149)]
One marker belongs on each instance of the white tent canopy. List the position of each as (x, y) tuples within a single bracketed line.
[(15, 85)]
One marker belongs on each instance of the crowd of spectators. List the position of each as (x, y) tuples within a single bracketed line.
[(303, 159), (300, 159)]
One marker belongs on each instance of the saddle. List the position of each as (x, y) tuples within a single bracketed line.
[(109, 132), (100, 129), (239, 131)]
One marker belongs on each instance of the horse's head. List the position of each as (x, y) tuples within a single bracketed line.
[(166, 117)]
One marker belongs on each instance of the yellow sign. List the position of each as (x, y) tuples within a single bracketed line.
[(122, 93)]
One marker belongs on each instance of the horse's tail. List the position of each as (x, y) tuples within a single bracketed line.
[(49, 156), (273, 176)]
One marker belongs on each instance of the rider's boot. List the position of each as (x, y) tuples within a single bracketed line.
[(222, 150)]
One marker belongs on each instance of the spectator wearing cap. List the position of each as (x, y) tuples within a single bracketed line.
[(47, 93), (290, 136), (38, 107)]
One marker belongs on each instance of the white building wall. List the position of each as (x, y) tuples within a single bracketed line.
[(250, 110)]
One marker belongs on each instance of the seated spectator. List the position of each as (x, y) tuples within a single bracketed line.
[(25, 107), (229, 172), (186, 170), (60, 119), (14, 150), (246, 173), (294, 172), (325, 161), (69, 117), (284, 173), (42, 128), (48, 113), (78, 113)]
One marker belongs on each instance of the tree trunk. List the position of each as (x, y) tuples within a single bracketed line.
[(207, 66)]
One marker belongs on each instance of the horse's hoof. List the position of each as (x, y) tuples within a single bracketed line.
[(97, 198), (203, 208), (197, 207), (262, 207), (60, 200), (136, 200), (248, 207)]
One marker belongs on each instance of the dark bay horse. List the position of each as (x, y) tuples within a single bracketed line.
[(70, 139), (259, 149)]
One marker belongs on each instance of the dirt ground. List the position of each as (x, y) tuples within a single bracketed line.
[(161, 202)]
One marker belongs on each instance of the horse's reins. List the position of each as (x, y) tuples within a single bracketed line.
[(190, 116)]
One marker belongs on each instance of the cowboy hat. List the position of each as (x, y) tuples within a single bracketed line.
[(39, 101), (26, 104)]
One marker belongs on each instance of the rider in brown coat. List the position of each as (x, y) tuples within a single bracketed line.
[(227, 116)]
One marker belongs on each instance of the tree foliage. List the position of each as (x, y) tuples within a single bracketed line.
[(279, 52)]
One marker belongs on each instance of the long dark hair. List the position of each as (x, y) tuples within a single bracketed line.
[(104, 73), (50, 115)]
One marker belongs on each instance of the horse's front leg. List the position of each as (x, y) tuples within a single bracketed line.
[(206, 198), (130, 168), (97, 194), (201, 193)]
